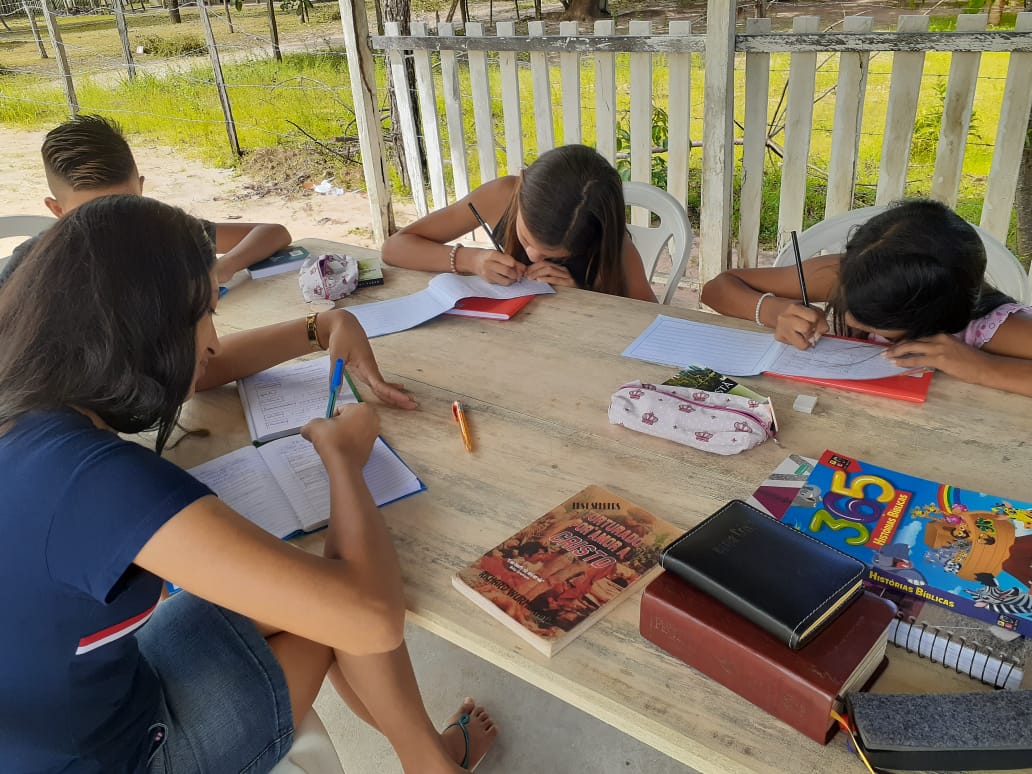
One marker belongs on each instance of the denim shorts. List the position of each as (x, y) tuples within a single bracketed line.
[(225, 707)]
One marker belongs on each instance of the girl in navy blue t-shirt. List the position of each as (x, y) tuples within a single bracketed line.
[(107, 328)]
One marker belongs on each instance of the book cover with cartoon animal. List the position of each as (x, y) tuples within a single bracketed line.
[(566, 570), (967, 551)]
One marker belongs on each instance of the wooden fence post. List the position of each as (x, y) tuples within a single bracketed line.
[(718, 154), (31, 14), (362, 75), (956, 115), (453, 114), (754, 146), (1014, 109), (220, 82), (544, 119), (123, 34), (483, 121), (509, 75), (270, 9), (849, 112), (605, 95), (802, 77), (679, 116), (426, 95), (904, 90), (641, 118), (569, 74), (406, 120), (62, 58)]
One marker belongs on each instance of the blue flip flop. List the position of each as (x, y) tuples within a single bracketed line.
[(462, 722)]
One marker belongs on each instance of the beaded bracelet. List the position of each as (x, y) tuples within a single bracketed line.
[(759, 303), (451, 257)]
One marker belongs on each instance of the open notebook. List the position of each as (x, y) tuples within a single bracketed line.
[(442, 293), (282, 486), (834, 362)]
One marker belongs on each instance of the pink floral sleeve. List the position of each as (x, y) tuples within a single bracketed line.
[(980, 331)]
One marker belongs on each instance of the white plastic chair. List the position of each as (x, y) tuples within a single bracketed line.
[(22, 226), (673, 225), (312, 752), (1003, 271)]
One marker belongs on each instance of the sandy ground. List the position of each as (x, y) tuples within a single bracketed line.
[(215, 194)]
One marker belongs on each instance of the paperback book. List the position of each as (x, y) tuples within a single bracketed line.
[(279, 263), (566, 570), (970, 552)]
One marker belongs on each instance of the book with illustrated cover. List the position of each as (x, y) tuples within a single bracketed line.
[(370, 272), (703, 378), (566, 570), (968, 551), (981, 650), (279, 263)]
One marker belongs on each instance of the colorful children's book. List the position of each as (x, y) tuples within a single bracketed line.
[(703, 378), (566, 570), (985, 652), (489, 308), (279, 263), (967, 551)]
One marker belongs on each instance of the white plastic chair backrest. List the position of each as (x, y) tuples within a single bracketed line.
[(22, 226), (1003, 271), (312, 752), (673, 225)]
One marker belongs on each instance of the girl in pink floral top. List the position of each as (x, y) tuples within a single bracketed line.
[(912, 276)]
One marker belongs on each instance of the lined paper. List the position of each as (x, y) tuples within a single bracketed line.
[(733, 352), (279, 401), (283, 487), (441, 294)]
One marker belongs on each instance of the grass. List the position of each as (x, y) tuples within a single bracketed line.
[(270, 100)]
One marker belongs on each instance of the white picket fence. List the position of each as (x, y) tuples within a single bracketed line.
[(489, 67)]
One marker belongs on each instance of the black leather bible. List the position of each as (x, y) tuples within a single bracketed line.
[(782, 580)]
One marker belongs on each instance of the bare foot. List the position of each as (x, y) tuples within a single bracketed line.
[(482, 733)]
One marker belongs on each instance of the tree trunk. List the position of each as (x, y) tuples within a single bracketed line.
[(583, 10), (1023, 198), (400, 11), (173, 12), (996, 12)]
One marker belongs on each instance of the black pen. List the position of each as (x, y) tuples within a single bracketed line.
[(799, 268), (490, 233)]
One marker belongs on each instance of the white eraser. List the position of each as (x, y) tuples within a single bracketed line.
[(805, 403)]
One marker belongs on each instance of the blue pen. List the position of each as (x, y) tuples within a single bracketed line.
[(338, 376)]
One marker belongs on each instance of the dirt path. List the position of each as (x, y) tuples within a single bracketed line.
[(216, 194)]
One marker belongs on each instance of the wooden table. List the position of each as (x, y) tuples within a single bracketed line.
[(537, 391)]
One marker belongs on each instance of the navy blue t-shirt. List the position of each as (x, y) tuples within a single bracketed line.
[(78, 504)]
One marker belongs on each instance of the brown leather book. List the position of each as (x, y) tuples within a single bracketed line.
[(799, 687)]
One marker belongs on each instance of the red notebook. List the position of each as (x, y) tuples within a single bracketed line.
[(799, 687), (491, 308), (902, 387), (913, 388)]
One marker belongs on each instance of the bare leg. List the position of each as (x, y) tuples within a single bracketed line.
[(386, 685)]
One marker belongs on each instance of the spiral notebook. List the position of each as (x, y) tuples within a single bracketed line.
[(986, 653)]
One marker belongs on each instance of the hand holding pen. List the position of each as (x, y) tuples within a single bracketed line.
[(495, 266), (801, 325)]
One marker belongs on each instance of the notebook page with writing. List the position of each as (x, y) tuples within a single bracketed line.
[(675, 342), (835, 358), (279, 401), (297, 468), (241, 480), (441, 294)]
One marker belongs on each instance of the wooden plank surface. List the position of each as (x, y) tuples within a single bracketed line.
[(569, 74), (537, 390), (427, 96), (849, 111), (407, 120), (510, 79), (482, 119), (754, 142), (453, 116), (679, 115), (542, 92), (605, 95)]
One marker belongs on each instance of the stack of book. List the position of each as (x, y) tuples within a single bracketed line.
[(770, 613)]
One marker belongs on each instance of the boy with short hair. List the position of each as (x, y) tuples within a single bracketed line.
[(87, 157)]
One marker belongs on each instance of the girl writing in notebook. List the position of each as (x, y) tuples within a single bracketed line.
[(561, 220), (98, 675), (912, 276)]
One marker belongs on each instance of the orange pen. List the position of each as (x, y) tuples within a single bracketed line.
[(460, 417)]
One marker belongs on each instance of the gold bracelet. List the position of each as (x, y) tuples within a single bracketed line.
[(451, 257), (313, 330)]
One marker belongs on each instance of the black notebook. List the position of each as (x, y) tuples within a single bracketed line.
[(775, 576)]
